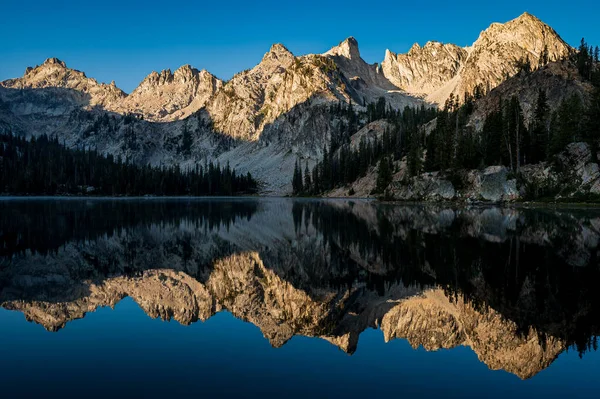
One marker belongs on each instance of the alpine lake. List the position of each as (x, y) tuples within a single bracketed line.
[(281, 297)]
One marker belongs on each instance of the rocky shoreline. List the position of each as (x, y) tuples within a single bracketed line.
[(572, 178)]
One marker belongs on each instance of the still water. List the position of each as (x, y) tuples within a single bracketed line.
[(296, 298)]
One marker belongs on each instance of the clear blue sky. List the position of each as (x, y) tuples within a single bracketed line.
[(126, 40)]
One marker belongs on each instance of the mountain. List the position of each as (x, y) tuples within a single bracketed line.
[(168, 96), (254, 99), (367, 82), (75, 88), (266, 119), (437, 70)]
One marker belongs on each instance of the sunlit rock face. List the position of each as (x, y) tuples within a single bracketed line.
[(501, 281), (438, 70), (52, 90), (425, 70), (435, 321), (169, 96), (53, 73)]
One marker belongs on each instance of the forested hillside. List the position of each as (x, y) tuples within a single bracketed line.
[(43, 166), (513, 132)]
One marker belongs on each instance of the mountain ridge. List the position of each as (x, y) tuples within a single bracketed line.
[(264, 119), (399, 68)]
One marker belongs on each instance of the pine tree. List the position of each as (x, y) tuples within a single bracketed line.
[(492, 139), (540, 136), (43, 166), (307, 182), (415, 152), (297, 179), (567, 124), (384, 174)]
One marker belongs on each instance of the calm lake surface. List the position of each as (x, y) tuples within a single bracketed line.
[(296, 298)]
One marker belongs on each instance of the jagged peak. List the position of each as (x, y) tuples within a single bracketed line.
[(186, 72), (415, 47), (158, 78), (347, 48), (527, 17), (278, 52), (185, 68), (279, 48), (48, 63), (54, 61), (436, 44)]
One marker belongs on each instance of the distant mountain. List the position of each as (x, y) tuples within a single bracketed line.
[(267, 118)]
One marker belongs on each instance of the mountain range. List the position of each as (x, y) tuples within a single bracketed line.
[(267, 118)]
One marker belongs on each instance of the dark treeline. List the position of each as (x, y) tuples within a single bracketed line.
[(43, 166), (507, 138), (44, 226)]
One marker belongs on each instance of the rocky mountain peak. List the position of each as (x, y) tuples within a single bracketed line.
[(77, 89), (424, 69), (158, 78), (414, 48), (54, 61), (528, 17), (185, 73), (279, 48), (437, 70), (53, 67), (525, 31), (347, 49), (278, 52), (167, 95)]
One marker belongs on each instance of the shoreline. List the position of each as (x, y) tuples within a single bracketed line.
[(455, 204)]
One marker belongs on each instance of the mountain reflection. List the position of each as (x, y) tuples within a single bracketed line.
[(516, 285)]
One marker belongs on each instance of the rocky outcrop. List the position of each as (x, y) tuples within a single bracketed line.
[(574, 174), (491, 184), (366, 82), (426, 187), (255, 98)]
